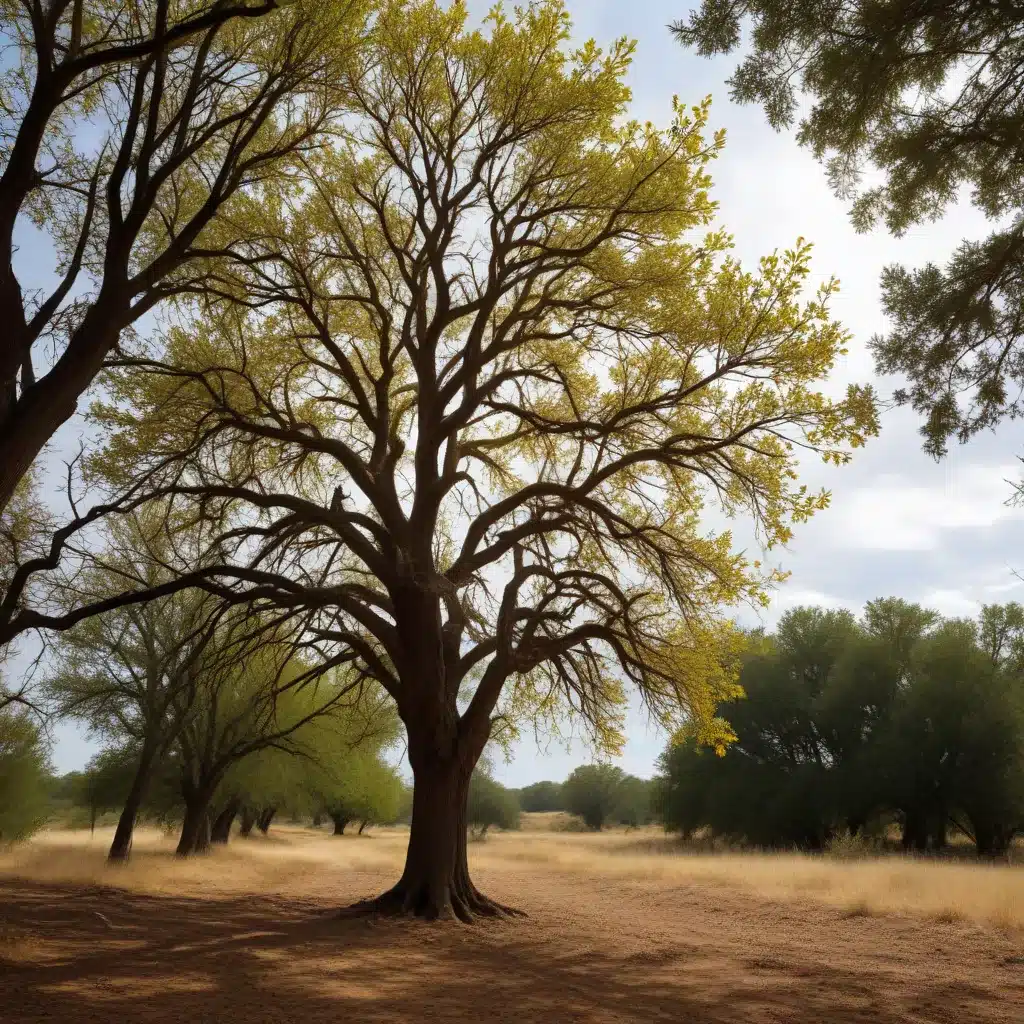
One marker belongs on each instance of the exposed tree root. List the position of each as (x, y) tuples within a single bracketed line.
[(456, 902)]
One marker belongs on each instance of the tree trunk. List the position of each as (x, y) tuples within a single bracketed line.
[(362, 825), (221, 828), (32, 420), (318, 819), (265, 818), (435, 883), (340, 821), (915, 831), (247, 823), (121, 847), (195, 829), (992, 841)]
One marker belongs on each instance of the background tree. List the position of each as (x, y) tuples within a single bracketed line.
[(24, 775), (633, 806), (954, 752), (542, 796), (490, 804), (592, 792), (930, 95), (189, 106), (131, 674), (467, 392), (267, 778), (334, 766), (1001, 635), (362, 788), (847, 726), (106, 783), (254, 692)]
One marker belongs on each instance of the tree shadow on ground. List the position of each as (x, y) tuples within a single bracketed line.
[(90, 954)]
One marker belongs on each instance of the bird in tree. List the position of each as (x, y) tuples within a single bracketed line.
[(929, 94), (462, 397)]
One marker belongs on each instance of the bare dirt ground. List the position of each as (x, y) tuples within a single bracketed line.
[(620, 929)]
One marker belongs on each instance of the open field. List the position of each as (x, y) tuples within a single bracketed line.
[(622, 927)]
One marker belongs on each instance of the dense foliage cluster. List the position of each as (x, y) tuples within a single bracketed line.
[(541, 797), (899, 718), (23, 774), (928, 94), (603, 794)]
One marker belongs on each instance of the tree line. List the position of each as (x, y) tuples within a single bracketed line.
[(900, 718)]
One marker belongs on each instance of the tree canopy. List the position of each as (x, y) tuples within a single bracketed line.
[(929, 94), (188, 105), (542, 796), (24, 774), (849, 725), (462, 397)]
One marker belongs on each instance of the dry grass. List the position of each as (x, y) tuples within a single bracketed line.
[(986, 894), (622, 927)]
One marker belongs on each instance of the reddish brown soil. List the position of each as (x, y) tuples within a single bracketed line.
[(592, 950)]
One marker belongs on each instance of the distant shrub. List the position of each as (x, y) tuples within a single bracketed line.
[(846, 845), (572, 823), (490, 803), (541, 797)]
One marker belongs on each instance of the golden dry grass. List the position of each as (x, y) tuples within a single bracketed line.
[(988, 894), (623, 927)]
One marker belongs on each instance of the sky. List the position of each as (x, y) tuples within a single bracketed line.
[(899, 524)]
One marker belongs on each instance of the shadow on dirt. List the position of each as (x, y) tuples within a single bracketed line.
[(90, 954)]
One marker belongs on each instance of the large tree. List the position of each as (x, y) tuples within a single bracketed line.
[(932, 95), (125, 128), (463, 397)]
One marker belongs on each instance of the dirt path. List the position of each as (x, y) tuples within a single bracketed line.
[(592, 950)]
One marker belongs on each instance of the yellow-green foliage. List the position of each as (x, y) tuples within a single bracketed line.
[(492, 237), (338, 751), (24, 800)]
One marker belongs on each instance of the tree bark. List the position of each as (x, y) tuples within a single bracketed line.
[(248, 821), (120, 848), (340, 821), (220, 831), (436, 883), (195, 828), (992, 841), (266, 816), (53, 399), (915, 831)]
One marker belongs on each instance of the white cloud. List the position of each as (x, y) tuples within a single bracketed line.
[(890, 514)]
